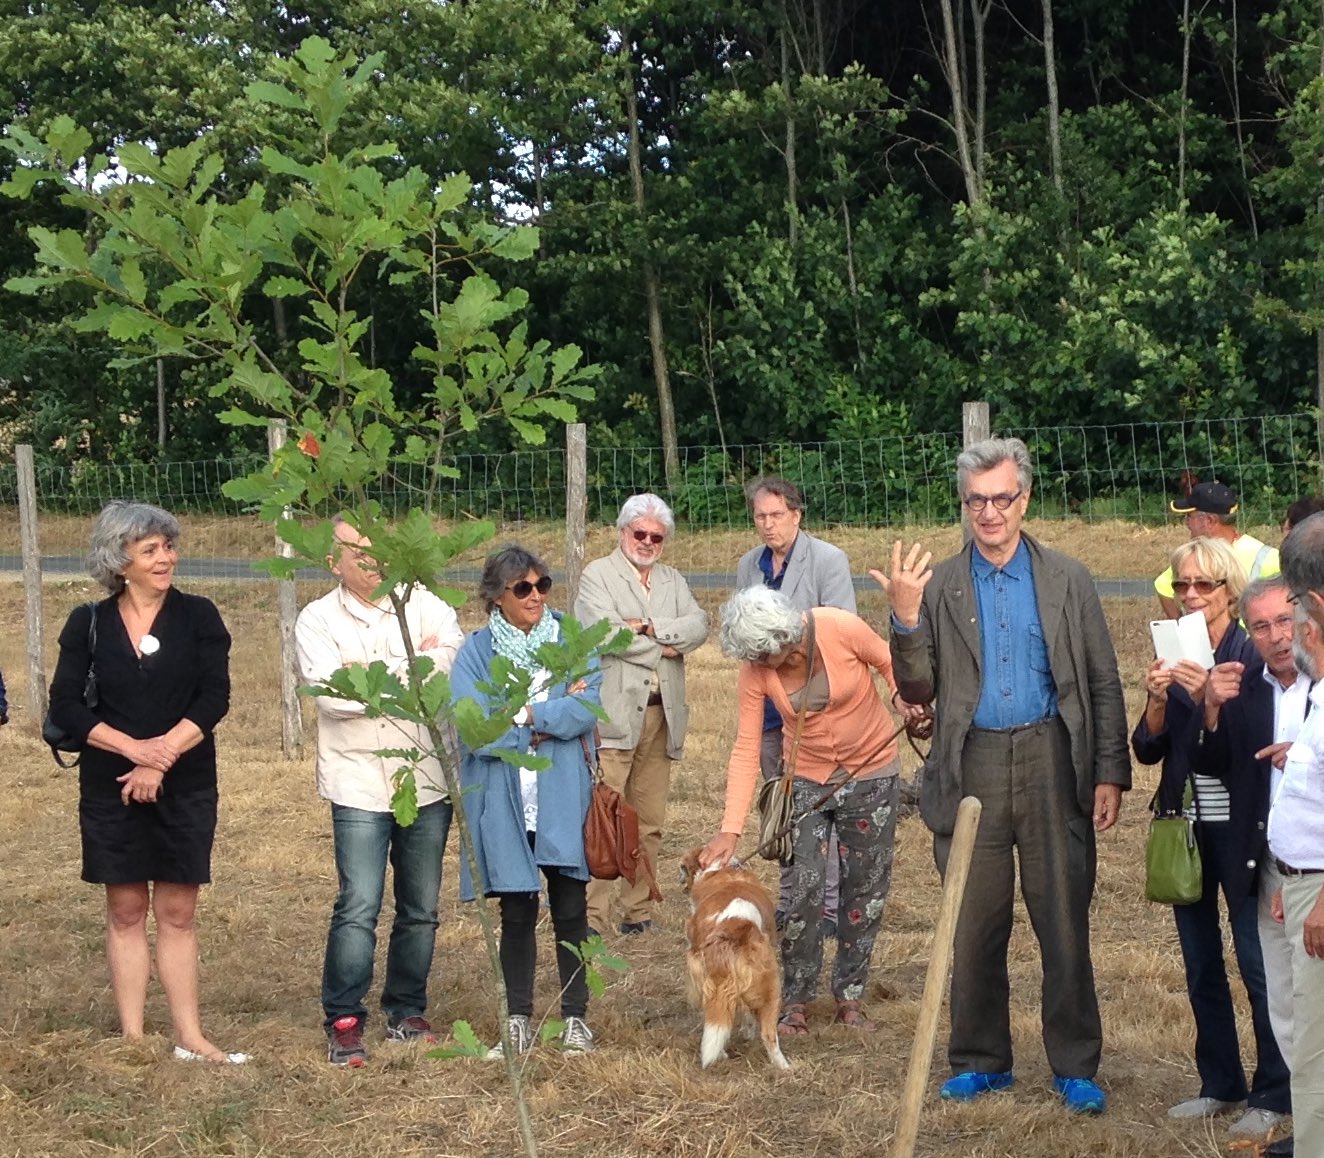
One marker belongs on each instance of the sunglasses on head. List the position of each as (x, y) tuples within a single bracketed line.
[(1200, 586), (649, 536), (522, 588)]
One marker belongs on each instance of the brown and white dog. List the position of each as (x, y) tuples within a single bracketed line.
[(732, 962)]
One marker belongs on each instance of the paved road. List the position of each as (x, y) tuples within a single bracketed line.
[(238, 569)]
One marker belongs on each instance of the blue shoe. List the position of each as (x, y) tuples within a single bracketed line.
[(970, 1085), (1081, 1095)]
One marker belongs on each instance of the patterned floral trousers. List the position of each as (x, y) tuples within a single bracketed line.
[(864, 812)]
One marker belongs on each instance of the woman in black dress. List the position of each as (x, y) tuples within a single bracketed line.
[(147, 780)]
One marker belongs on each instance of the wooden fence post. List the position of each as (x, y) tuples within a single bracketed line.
[(576, 507), (27, 523), (287, 606), (974, 428)]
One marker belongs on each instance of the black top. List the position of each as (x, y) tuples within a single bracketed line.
[(188, 677)]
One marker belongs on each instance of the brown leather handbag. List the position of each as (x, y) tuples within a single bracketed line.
[(611, 834)]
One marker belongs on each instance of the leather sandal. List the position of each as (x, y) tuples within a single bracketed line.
[(793, 1021), (850, 1014)]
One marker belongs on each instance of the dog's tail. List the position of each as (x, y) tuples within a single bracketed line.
[(730, 954)]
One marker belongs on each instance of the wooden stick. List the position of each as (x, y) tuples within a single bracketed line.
[(935, 983)]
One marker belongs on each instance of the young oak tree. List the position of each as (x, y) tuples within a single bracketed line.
[(177, 270)]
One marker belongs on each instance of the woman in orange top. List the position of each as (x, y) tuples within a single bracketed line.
[(826, 657)]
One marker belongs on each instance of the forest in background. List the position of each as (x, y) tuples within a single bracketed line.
[(764, 221)]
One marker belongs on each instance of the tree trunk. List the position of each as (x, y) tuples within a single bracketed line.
[(788, 153), (973, 192), (160, 404), (1319, 214), (666, 410), (1054, 110), (1185, 88), (980, 15)]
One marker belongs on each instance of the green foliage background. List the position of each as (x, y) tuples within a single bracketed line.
[(863, 302)]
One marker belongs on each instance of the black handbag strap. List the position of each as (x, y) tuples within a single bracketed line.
[(89, 681)]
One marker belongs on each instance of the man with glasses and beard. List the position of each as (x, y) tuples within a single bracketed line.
[(643, 687), (1296, 843)]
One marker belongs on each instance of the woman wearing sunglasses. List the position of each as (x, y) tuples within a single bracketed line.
[(525, 823), (1208, 580)]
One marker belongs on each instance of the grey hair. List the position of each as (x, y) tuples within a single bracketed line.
[(646, 506), (1259, 588), (992, 452), (505, 566), (121, 524), (758, 621), (1301, 556), (771, 484)]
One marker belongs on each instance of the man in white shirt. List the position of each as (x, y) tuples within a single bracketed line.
[(1296, 841), (343, 628)]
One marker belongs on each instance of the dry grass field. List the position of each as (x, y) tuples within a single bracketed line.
[(68, 1087)]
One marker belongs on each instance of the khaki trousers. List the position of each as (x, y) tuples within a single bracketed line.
[(643, 776), (1307, 1054)]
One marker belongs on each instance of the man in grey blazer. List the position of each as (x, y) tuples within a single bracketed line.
[(810, 573), (1009, 640), (643, 687)]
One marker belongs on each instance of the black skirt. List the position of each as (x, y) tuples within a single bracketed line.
[(170, 840)]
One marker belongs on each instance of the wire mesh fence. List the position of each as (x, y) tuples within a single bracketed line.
[(1128, 472)]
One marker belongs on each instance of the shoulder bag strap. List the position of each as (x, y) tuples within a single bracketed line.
[(788, 771)]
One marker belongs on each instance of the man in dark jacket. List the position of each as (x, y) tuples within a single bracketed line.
[(1009, 640)]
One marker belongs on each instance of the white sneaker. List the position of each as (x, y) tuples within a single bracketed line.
[(1255, 1123), (577, 1037), (1203, 1108), (521, 1037)]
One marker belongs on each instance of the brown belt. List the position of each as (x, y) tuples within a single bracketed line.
[(1288, 871)]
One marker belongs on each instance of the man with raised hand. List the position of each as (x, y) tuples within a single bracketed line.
[(1296, 843), (1210, 510), (1008, 639), (810, 573), (347, 627), (643, 687)]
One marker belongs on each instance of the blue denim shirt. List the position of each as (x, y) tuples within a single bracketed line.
[(1017, 685), (772, 718)]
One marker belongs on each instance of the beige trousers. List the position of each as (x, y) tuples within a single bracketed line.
[(1307, 1055), (643, 776)]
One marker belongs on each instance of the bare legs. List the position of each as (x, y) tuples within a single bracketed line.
[(129, 957)]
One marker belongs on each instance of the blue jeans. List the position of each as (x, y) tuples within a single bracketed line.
[(1217, 1051), (364, 842)]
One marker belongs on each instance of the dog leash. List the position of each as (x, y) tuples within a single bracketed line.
[(921, 729)]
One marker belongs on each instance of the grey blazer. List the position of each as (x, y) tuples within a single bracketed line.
[(609, 589), (818, 574), (940, 661)]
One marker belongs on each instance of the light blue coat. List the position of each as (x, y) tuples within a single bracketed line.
[(491, 793)]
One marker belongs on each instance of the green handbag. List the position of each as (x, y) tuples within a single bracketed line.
[(1173, 873)]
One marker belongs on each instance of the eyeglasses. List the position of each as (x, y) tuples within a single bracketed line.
[(1264, 627), (977, 503), (649, 536), (1200, 586), (522, 588)]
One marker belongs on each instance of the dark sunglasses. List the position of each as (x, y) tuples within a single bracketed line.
[(651, 536), (1201, 586), (522, 588)]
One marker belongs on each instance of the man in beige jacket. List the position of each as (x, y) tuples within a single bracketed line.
[(643, 687)]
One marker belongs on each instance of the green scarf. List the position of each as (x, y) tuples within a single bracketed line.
[(518, 646)]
